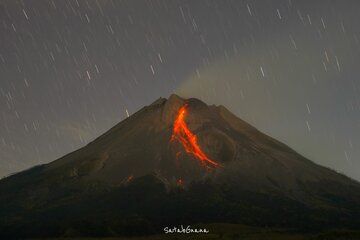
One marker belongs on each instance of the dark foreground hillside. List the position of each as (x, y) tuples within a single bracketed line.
[(236, 231)]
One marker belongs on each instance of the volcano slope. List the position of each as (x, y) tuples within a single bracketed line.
[(176, 161)]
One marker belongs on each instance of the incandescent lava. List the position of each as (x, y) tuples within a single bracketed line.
[(188, 139)]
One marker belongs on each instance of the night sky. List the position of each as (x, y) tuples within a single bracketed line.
[(70, 70)]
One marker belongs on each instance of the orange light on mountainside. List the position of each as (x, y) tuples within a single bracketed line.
[(180, 182), (130, 178), (183, 134)]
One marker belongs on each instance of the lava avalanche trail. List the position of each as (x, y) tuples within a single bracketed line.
[(183, 134)]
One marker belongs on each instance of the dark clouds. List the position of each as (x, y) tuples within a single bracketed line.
[(69, 70)]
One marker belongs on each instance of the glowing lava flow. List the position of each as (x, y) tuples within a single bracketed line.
[(183, 134)]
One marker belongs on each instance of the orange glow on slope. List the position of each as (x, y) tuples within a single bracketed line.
[(183, 134), (130, 178), (180, 182)]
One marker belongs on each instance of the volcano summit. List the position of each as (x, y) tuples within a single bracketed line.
[(176, 161)]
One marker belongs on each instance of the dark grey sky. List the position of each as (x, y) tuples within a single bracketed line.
[(70, 70)]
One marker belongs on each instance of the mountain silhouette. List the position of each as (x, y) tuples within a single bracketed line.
[(176, 161)]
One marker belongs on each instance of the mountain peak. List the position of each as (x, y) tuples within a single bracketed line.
[(206, 151), (174, 97), (172, 105)]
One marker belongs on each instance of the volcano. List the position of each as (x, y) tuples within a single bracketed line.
[(176, 161)]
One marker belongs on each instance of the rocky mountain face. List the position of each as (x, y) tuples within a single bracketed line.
[(176, 161)]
